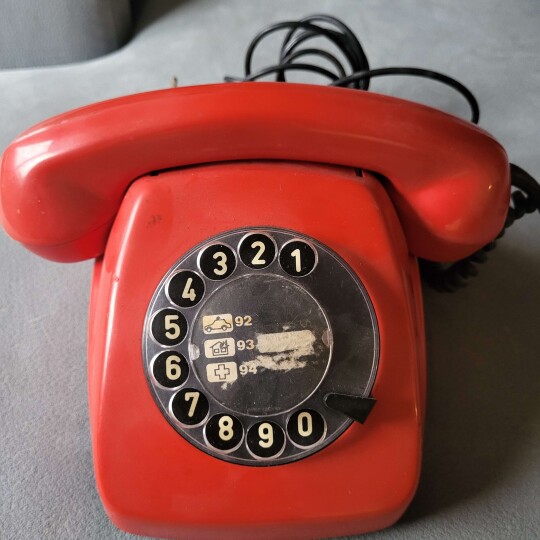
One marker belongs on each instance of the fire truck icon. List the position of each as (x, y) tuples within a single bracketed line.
[(219, 348)]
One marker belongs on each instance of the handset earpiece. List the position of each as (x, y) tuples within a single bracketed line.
[(63, 181)]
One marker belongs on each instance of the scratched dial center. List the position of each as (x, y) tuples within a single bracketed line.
[(260, 344)]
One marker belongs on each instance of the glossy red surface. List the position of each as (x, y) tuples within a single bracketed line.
[(70, 181), (63, 181), (150, 479)]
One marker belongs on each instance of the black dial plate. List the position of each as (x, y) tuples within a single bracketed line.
[(247, 334)]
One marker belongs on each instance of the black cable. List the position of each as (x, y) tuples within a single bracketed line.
[(525, 198), (299, 31), (344, 39), (417, 72), (289, 66)]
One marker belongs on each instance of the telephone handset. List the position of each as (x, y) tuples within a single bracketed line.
[(256, 342)]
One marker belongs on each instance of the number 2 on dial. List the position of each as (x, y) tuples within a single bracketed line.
[(257, 259)]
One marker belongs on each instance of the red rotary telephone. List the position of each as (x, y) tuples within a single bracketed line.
[(256, 340)]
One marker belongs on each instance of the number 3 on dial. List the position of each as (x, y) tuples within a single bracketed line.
[(221, 259), (217, 261)]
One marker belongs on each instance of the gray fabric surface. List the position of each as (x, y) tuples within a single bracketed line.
[(481, 472), (37, 33)]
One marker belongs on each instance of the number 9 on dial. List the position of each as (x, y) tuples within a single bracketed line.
[(265, 440)]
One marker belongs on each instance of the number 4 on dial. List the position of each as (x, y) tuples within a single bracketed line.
[(185, 289)]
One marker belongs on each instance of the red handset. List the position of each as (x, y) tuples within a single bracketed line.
[(256, 346)]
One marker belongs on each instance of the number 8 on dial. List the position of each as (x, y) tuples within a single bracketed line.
[(224, 432)]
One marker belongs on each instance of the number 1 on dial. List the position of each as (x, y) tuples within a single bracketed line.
[(298, 260)]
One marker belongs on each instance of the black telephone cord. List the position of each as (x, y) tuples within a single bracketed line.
[(525, 198)]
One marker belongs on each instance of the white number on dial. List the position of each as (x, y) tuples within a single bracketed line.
[(226, 428), (298, 262), (188, 291), (173, 329), (194, 397), (248, 344), (305, 424), (172, 367), (245, 369), (266, 434), (221, 259), (243, 321), (257, 259)]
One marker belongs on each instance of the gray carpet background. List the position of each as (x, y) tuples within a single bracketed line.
[(481, 471)]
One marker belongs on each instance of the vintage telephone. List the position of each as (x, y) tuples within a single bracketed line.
[(256, 292)]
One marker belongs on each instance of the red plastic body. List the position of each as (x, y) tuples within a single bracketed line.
[(155, 483), (63, 181), (79, 186)]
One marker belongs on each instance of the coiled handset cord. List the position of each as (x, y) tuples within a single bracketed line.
[(351, 69)]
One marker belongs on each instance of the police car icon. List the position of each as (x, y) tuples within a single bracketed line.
[(220, 323)]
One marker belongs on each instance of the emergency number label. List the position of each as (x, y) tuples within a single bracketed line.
[(219, 348), (222, 372), (217, 324)]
